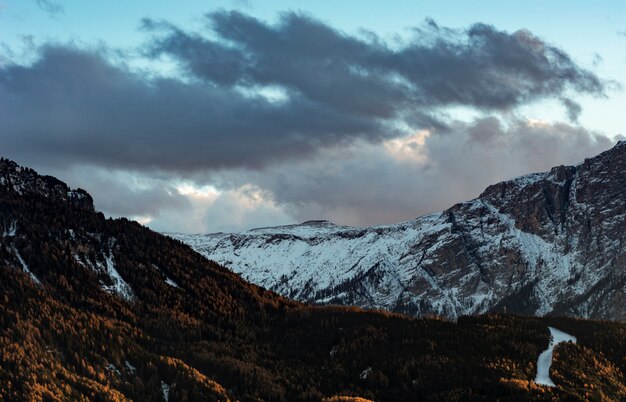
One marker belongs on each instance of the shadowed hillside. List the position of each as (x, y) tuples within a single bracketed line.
[(100, 309)]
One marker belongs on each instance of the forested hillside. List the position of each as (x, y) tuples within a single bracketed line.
[(97, 309)]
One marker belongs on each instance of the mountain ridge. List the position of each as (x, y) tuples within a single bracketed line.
[(96, 309), (543, 243)]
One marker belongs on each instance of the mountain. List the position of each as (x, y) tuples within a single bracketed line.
[(96, 309), (545, 243)]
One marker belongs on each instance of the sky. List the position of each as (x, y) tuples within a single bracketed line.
[(206, 116)]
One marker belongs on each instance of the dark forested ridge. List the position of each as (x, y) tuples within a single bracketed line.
[(99, 309)]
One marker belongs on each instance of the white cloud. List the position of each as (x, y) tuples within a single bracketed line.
[(410, 148)]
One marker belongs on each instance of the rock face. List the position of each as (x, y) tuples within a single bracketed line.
[(25, 182), (545, 243)]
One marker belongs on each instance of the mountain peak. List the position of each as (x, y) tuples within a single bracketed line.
[(317, 222), (22, 181)]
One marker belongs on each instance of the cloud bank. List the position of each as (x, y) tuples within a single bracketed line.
[(421, 173), (74, 105), (293, 120)]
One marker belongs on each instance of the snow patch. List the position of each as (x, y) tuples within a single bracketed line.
[(168, 280), (539, 254), (119, 286), (11, 230), (545, 358), (25, 267), (76, 195), (365, 373), (131, 369), (171, 282), (166, 391), (527, 180), (306, 230), (112, 368)]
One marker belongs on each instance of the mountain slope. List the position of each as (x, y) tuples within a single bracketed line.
[(545, 243), (94, 309)]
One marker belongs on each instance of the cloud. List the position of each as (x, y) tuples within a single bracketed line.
[(73, 106), (405, 178), (480, 67), (572, 109), (50, 6), (243, 208), (264, 124), (122, 193), (241, 3), (361, 184), (251, 94), (167, 202)]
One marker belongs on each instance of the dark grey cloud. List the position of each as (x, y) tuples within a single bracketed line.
[(572, 109), (480, 67), (75, 106), (50, 6)]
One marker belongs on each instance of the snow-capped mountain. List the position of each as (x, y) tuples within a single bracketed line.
[(543, 243)]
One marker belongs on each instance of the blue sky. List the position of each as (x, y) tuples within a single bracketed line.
[(233, 195)]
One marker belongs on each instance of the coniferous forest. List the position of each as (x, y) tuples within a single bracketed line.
[(96, 309)]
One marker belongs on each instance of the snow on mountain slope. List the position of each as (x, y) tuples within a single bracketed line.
[(119, 285), (25, 266), (543, 243), (545, 358)]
